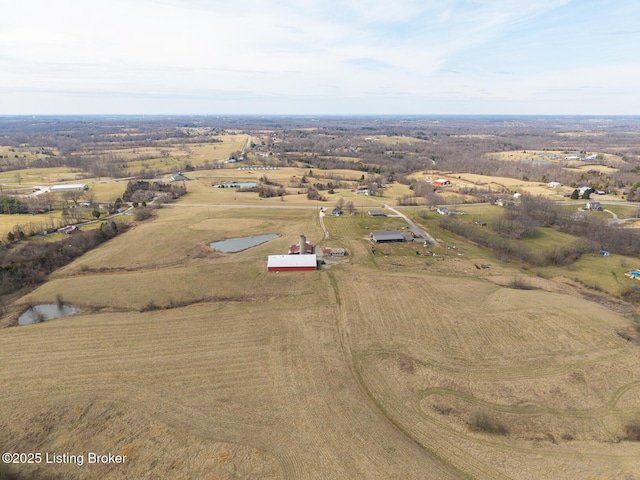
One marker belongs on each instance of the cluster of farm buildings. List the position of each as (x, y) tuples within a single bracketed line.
[(301, 257)]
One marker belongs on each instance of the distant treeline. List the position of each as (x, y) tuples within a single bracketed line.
[(28, 264), (388, 146), (12, 205)]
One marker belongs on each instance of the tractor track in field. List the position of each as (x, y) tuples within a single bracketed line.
[(355, 369)]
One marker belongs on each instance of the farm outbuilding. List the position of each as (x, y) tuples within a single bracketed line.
[(179, 177), (291, 263), (333, 252), (296, 249), (387, 236), (376, 213), (69, 187)]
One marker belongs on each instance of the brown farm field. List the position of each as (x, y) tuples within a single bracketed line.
[(200, 364)]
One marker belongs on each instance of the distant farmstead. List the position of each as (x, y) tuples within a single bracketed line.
[(292, 263), (387, 236), (69, 187), (441, 182), (235, 185)]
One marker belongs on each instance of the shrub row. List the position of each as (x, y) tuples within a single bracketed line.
[(30, 263)]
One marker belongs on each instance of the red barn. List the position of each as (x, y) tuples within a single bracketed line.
[(295, 249)]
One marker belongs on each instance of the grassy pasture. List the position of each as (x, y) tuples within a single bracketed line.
[(598, 272), (28, 177), (257, 380), (496, 184), (27, 222), (555, 157), (596, 167), (396, 139), (201, 190), (169, 259), (371, 368), (11, 155)]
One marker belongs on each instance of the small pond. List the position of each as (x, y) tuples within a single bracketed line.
[(44, 312), (238, 244)]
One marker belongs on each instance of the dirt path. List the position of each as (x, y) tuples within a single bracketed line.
[(413, 227), (324, 229)]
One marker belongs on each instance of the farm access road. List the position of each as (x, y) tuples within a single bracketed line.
[(413, 227)]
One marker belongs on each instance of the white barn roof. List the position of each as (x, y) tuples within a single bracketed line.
[(388, 236), (291, 261), (69, 186)]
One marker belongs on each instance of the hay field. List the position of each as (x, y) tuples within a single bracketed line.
[(550, 368), (27, 222), (495, 183), (371, 368), (37, 176), (553, 157), (205, 392), (201, 191), (596, 167), (169, 260)]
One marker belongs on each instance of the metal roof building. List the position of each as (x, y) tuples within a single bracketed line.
[(288, 263), (68, 186), (295, 249), (387, 236), (376, 213)]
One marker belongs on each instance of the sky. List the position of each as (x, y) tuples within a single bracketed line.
[(320, 57)]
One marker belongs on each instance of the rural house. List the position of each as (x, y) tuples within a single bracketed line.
[(593, 206), (333, 252)]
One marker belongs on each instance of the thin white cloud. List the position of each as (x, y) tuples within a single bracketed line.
[(279, 48)]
